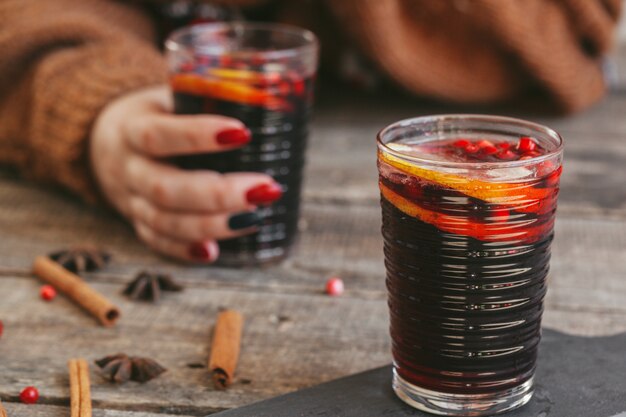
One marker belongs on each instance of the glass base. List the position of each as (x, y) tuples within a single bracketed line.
[(252, 258), (467, 405)]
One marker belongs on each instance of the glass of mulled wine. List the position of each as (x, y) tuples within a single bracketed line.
[(263, 75), (468, 208)]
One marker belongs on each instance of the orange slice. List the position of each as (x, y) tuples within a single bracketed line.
[(248, 76), (490, 232), (492, 192), (226, 90), (415, 193)]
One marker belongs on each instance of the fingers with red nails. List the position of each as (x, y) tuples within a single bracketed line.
[(178, 213)]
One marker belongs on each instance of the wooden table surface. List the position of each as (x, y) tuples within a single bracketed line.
[(295, 336)]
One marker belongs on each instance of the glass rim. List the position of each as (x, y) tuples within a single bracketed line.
[(309, 39), (382, 146)]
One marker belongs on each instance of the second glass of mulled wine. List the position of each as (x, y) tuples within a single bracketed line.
[(263, 75)]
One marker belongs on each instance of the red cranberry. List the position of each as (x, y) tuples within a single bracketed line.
[(484, 143), (489, 150), (553, 179), (257, 60), (471, 148), (48, 292), (503, 145), (506, 154), (29, 395), (269, 79), (284, 88), (240, 65), (226, 61), (500, 214), (461, 143), (187, 67), (526, 144), (203, 60), (292, 76), (298, 87), (273, 77), (334, 286)]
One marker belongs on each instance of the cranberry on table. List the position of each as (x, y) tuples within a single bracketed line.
[(48, 292), (334, 286), (29, 395)]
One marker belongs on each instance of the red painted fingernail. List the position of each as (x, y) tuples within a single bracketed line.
[(201, 251), (264, 194), (233, 137)]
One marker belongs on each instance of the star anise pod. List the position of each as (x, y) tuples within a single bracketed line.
[(121, 368), (148, 286), (81, 258)]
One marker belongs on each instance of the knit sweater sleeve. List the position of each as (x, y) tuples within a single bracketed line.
[(62, 62), (487, 50)]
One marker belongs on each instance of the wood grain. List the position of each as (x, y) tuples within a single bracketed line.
[(39, 410), (287, 344)]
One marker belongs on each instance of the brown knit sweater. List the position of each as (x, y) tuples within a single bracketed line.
[(62, 61)]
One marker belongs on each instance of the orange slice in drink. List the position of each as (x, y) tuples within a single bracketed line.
[(459, 225), (492, 192), (251, 77), (226, 90)]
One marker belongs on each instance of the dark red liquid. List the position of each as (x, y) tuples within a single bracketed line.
[(279, 136), (466, 285)]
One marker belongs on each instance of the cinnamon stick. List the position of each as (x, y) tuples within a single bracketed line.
[(3, 412), (80, 388), (225, 348), (76, 289)]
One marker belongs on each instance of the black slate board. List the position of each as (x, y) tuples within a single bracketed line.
[(576, 377)]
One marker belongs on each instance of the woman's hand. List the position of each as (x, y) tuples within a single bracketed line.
[(176, 212)]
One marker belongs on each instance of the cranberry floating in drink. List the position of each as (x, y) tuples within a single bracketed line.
[(261, 74), (468, 205)]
